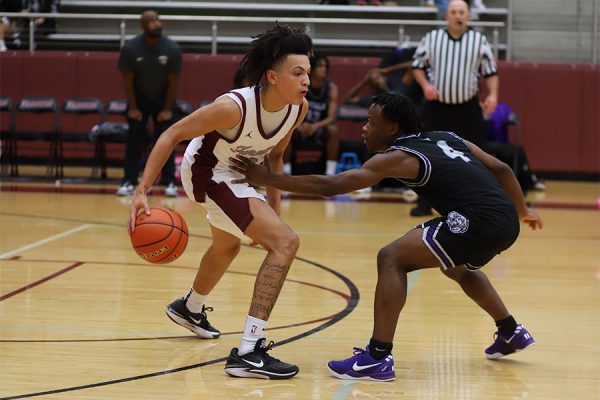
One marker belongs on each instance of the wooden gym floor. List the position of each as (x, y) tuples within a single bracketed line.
[(82, 317)]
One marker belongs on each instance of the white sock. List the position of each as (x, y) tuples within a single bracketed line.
[(195, 301), (331, 166), (287, 168), (253, 331), (2, 45)]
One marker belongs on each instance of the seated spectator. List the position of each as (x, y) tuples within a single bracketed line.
[(335, 2), (396, 66), (318, 131), (498, 145), (8, 26), (376, 83), (393, 75), (43, 26)]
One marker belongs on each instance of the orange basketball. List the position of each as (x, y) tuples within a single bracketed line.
[(160, 237)]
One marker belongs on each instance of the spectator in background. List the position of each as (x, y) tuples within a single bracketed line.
[(376, 83), (376, 80), (335, 2), (151, 64), (452, 87), (318, 131), (512, 154), (396, 66), (394, 74), (8, 26), (43, 26)]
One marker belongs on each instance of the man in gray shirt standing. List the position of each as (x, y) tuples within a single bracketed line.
[(150, 64)]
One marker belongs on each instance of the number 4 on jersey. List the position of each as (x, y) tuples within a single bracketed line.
[(450, 152)]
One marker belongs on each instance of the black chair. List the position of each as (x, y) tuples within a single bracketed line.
[(115, 131), (91, 110), (40, 107), (7, 129), (351, 112)]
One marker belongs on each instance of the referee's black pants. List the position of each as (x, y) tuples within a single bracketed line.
[(465, 119)]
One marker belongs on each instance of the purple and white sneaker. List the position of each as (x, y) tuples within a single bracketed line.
[(502, 346), (362, 366)]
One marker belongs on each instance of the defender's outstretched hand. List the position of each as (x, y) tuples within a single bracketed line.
[(532, 219), (253, 173)]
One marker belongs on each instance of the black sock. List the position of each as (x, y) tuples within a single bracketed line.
[(506, 326), (379, 350)]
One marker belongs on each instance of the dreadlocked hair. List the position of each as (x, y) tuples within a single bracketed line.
[(400, 109), (272, 46)]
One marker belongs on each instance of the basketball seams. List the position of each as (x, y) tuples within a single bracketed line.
[(159, 223), (168, 257), (166, 220)]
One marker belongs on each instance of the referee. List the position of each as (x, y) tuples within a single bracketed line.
[(447, 65)]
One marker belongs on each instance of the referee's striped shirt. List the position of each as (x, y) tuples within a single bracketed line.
[(453, 65)]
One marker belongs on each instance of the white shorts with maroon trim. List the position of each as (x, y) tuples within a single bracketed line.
[(226, 204)]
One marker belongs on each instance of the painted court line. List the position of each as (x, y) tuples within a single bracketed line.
[(39, 281), (347, 386), (44, 241)]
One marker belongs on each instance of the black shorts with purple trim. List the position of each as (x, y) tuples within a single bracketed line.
[(471, 240)]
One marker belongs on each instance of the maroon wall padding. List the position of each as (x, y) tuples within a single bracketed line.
[(346, 72), (590, 143), (558, 104)]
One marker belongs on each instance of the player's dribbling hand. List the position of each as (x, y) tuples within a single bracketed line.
[(253, 173), (139, 202), (532, 219)]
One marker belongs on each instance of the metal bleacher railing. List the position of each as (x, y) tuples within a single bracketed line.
[(311, 19)]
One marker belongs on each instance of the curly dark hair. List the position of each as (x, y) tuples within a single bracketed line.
[(271, 47), (400, 109)]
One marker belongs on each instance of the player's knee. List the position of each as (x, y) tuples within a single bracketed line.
[(234, 250), (386, 258), (287, 243)]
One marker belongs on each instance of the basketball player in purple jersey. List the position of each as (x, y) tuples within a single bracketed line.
[(480, 201)]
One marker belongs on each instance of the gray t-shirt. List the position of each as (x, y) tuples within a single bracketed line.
[(151, 66)]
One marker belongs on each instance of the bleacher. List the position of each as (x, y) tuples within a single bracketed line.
[(226, 27)]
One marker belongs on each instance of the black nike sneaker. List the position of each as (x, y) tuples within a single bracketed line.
[(197, 323), (258, 364)]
